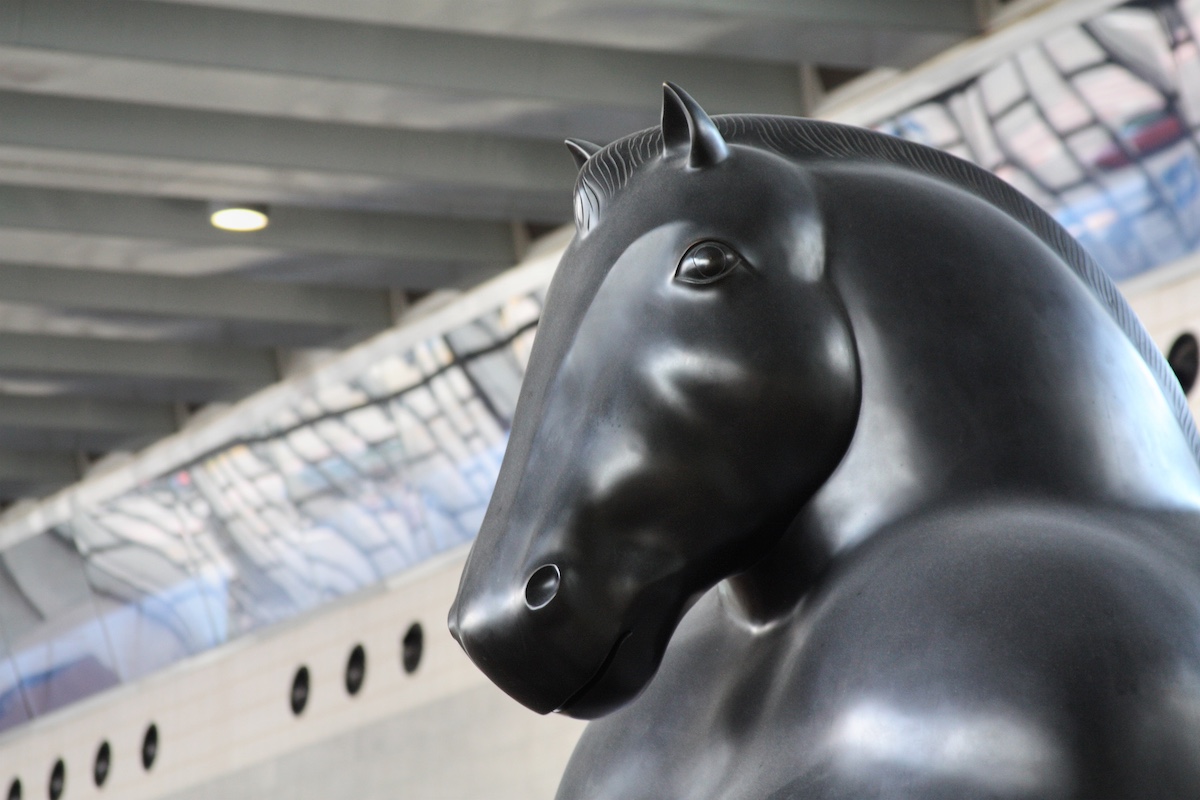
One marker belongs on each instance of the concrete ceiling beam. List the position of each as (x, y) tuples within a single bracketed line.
[(234, 60), (225, 299), (33, 354)]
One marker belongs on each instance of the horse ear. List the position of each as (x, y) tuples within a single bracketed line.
[(581, 151), (685, 127)]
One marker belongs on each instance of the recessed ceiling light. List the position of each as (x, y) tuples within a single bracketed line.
[(239, 216)]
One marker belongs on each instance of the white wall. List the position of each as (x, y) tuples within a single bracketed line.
[(226, 729)]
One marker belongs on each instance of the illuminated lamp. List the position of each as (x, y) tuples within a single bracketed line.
[(239, 217)]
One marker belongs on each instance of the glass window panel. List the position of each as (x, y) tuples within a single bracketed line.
[(1156, 229), (1055, 97), (56, 639), (1177, 170), (1119, 98), (338, 396), (522, 345), (1187, 66), (431, 356), (929, 124), (1001, 88), (959, 151), (1092, 146), (14, 707), (308, 445), (452, 423), (330, 497), (474, 337), (1028, 138), (1071, 49), (421, 402), (519, 312), (153, 631), (498, 376), (390, 375), (1021, 181), (308, 407), (1135, 39), (340, 437), (389, 561), (371, 423), (967, 107)]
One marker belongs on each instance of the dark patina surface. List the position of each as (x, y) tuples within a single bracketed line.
[(840, 471)]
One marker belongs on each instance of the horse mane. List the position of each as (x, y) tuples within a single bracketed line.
[(605, 173)]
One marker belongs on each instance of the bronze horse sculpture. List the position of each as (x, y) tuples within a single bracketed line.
[(844, 460)]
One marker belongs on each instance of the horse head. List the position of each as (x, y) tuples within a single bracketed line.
[(693, 383)]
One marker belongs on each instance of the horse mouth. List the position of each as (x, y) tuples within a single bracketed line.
[(597, 676)]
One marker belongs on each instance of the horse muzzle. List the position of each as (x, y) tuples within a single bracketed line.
[(527, 644), (552, 645)]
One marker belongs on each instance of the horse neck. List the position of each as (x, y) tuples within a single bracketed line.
[(989, 368), (988, 365)]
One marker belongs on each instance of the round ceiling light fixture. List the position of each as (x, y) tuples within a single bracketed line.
[(241, 217)]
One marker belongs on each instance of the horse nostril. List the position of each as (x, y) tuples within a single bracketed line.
[(542, 586)]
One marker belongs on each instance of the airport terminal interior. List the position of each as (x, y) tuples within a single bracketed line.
[(241, 466)]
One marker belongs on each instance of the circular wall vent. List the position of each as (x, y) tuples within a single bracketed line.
[(412, 646), (58, 779), (299, 695), (150, 746), (356, 669), (103, 764), (1184, 358)]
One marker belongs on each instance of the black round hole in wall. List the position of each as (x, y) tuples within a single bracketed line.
[(14, 789), (103, 763), (411, 648), (58, 779), (356, 669), (299, 695), (150, 746), (1184, 358)]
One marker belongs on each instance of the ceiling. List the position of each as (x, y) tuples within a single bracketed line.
[(402, 147)]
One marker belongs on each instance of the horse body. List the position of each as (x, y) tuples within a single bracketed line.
[(1065, 669), (952, 506), (997, 635)]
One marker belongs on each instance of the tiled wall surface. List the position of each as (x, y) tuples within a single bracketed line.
[(226, 729)]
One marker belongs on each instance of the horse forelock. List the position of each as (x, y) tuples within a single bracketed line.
[(610, 170)]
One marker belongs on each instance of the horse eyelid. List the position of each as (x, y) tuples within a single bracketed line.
[(739, 261)]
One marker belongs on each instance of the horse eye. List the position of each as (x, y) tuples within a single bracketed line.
[(707, 262)]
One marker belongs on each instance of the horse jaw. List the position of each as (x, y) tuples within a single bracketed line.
[(772, 588)]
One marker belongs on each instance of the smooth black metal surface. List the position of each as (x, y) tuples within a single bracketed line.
[(850, 466)]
